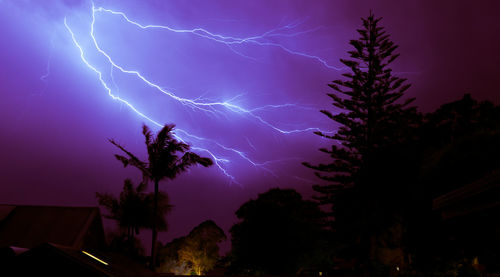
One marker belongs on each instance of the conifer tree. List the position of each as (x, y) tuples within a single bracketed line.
[(371, 114)]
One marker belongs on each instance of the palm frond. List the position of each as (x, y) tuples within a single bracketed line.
[(109, 202), (164, 137), (190, 158), (147, 134), (142, 187), (132, 160)]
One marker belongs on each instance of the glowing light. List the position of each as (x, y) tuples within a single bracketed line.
[(203, 106), (217, 160), (95, 258), (224, 108), (260, 40), (44, 77), (103, 83)]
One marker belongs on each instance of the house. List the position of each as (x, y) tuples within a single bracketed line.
[(474, 199), (58, 241), (30, 226), (56, 260), (471, 220)]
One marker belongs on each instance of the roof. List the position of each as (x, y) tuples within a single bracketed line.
[(55, 260), (29, 226), (477, 196)]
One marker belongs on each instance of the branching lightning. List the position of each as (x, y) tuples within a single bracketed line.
[(218, 161), (261, 40), (203, 106), (212, 107), (103, 83)]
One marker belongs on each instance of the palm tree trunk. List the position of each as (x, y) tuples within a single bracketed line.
[(155, 232)]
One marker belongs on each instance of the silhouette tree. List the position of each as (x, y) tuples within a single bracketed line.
[(458, 119), (373, 119), (164, 162), (133, 210), (461, 150), (130, 247), (168, 257), (277, 233)]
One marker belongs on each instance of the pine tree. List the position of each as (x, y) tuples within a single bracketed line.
[(370, 119)]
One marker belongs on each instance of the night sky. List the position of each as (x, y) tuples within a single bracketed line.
[(243, 81)]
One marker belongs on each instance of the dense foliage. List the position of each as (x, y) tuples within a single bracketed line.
[(133, 210), (276, 234), (197, 253), (167, 158), (371, 156)]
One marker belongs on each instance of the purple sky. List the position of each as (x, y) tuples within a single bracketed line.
[(263, 66)]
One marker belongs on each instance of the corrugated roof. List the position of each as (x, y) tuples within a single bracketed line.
[(29, 226)]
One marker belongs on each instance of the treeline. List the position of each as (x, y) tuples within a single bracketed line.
[(373, 211), (387, 226)]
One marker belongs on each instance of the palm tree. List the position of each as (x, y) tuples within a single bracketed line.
[(163, 162), (133, 209)]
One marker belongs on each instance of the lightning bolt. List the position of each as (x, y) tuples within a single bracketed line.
[(212, 107), (261, 40), (45, 77), (203, 106), (218, 161), (101, 79)]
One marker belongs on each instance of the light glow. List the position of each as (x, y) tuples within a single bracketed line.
[(95, 258), (224, 109)]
